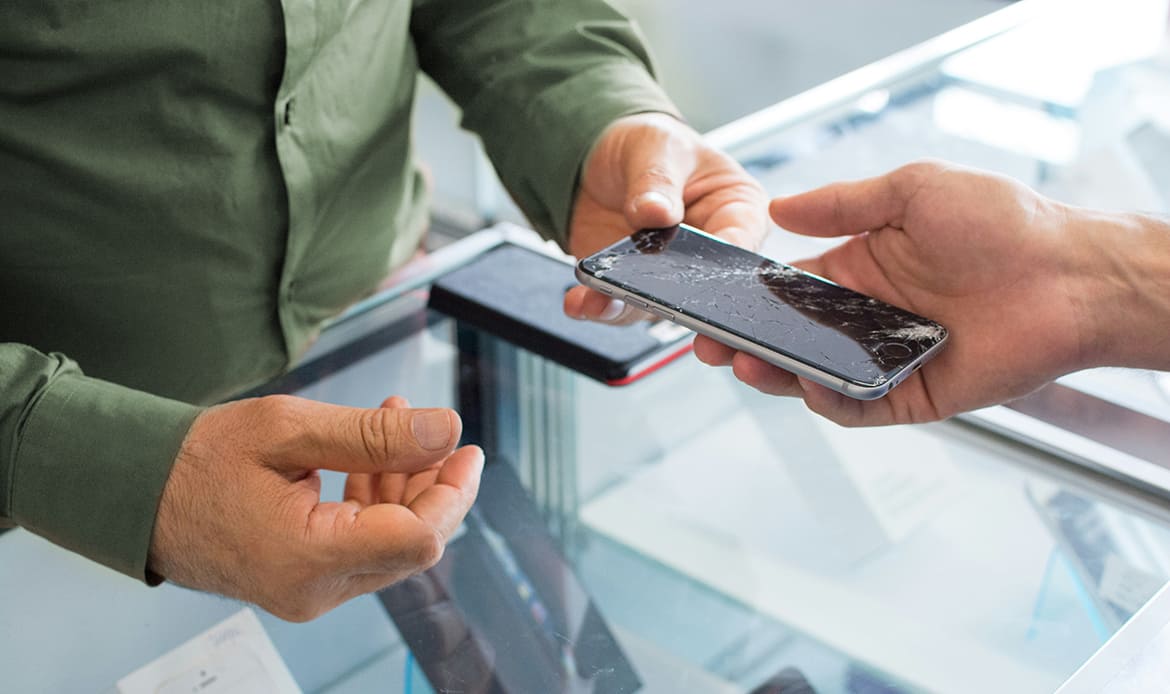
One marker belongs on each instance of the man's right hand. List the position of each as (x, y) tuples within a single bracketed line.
[(241, 514), (1029, 289)]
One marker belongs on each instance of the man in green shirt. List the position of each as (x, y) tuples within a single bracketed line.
[(188, 190)]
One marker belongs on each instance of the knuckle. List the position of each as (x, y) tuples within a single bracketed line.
[(277, 405), (377, 434), (286, 610), (922, 166), (737, 368), (657, 176), (917, 172), (277, 413), (306, 597), (430, 551), (297, 612), (908, 174)]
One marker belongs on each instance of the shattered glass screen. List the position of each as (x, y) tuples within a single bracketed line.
[(804, 317)]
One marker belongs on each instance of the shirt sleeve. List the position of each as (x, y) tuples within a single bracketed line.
[(538, 80), (83, 462)]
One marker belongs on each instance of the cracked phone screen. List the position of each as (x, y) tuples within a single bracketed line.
[(802, 316)]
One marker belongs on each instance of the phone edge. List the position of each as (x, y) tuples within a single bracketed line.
[(850, 389)]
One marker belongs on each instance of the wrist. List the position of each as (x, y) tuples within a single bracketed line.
[(1124, 289)]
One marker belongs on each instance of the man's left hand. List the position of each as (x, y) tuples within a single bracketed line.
[(650, 171)]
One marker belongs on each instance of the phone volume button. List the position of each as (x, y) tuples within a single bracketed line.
[(637, 303), (662, 312)]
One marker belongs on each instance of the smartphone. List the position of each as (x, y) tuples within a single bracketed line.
[(802, 323), (517, 294)]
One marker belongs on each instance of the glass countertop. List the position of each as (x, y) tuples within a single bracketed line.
[(680, 534)]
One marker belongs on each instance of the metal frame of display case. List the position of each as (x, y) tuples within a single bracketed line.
[(843, 91)]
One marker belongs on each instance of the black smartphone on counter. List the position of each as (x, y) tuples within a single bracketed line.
[(847, 341), (517, 294)]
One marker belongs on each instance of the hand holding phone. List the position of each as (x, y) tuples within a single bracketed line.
[(854, 344)]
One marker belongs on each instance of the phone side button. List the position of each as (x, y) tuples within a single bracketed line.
[(660, 312), (637, 303)]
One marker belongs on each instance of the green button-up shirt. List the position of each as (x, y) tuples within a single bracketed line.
[(189, 189)]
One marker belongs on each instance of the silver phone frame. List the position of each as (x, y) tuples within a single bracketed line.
[(857, 391)]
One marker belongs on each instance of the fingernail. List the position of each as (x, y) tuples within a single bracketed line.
[(653, 198), (432, 429), (613, 310)]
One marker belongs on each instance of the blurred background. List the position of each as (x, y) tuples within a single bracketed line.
[(719, 61)]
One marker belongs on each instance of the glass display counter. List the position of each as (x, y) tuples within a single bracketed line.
[(716, 539)]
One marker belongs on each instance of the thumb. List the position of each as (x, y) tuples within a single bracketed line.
[(313, 435), (845, 209), (656, 172), (387, 538)]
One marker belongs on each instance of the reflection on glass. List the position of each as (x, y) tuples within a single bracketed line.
[(502, 612)]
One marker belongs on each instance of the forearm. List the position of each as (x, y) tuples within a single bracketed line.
[(538, 80), (1126, 289)]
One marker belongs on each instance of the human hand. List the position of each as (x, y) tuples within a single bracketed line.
[(241, 513), (996, 263), (649, 171)]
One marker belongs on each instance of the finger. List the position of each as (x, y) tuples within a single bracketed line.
[(360, 487), (314, 435), (711, 352), (844, 410), (380, 488), (843, 209), (656, 167), (445, 503), (751, 370), (583, 303), (830, 404), (418, 483), (739, 235), (764, 377), (397, 539), (391, 488), (396, 401), (390, 439), (375, 490), (815, 265), (574, 302), (742, 222), (402, 488)]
